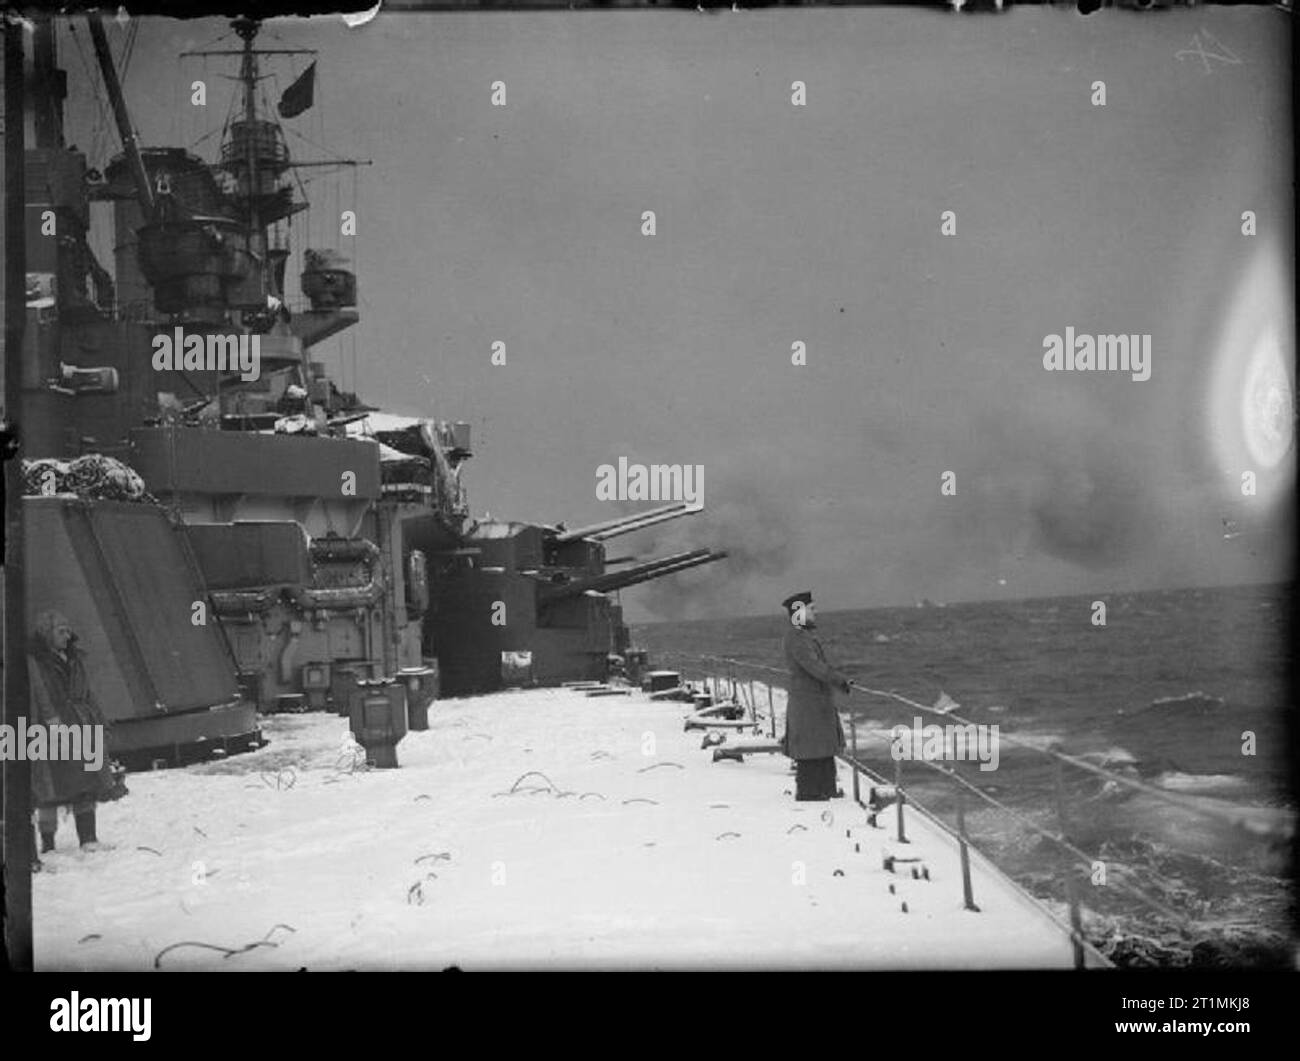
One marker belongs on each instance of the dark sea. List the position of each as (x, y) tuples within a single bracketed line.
[(1168, 691)]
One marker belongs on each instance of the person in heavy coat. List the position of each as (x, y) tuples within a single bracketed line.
[(61, 694), (813, 732)]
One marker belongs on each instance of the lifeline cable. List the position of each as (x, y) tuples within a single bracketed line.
[(1052, 753), (1058, 839)]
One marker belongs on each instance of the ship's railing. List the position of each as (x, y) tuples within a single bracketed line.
[(719, 675)]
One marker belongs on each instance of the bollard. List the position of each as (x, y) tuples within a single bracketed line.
[(968, 896), (377, 715), (421, 688), (771, 709)]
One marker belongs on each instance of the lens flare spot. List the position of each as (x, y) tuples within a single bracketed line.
[(1267, 411), (1251, 395)]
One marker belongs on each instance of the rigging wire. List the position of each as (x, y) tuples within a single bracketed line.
[(215, 40), (208, 135), (318, 117), (1054, 753), (307, 140), (356, 210), (230, 115), (276, 94), (100, 130), (267, 108), (175, 130), (302, 239), (128, 50)]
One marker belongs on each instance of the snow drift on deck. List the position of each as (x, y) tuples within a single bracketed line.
[(633, 851)]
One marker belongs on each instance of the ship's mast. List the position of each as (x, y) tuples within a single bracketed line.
[(255, 153), (247, 28)]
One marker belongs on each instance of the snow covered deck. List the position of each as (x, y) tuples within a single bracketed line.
[(634, 851)]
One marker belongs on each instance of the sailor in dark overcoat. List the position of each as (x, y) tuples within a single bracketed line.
[(813, 732), (61, 694)]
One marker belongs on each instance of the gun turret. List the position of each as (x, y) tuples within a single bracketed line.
[(613, 580), (611, 528)]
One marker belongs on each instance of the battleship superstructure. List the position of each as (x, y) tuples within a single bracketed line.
[(298, 539)]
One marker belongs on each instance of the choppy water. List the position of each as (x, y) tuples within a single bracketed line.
[(1166, 689)]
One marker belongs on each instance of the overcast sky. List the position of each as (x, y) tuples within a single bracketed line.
[(819, 224)]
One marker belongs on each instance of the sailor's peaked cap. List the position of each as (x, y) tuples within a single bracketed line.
[(797, 598)]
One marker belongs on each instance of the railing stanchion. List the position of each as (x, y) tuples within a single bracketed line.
[(967, 891), (1071, 891), (853, 744), (898, 791), (771, 710)]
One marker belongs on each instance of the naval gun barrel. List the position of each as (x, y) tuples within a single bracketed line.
[(603, 583), (646, 521), (708, 558), (613, 580), (618, 521)]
